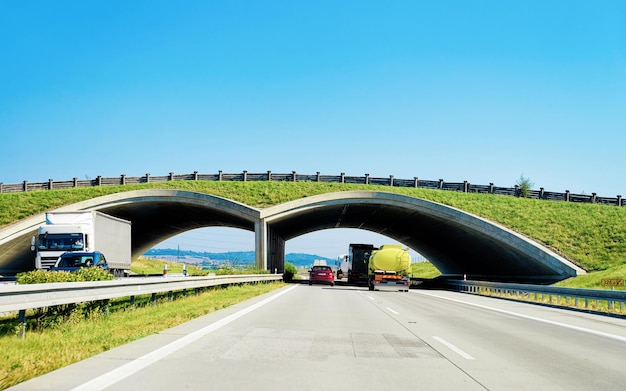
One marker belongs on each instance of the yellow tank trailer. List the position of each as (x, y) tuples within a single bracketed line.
[(390, 267)]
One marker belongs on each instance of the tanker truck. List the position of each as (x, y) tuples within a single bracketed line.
[(389, 267), (87, 232)]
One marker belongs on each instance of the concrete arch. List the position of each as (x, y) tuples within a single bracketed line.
[(156, 215), (159, 214), (458, 243)]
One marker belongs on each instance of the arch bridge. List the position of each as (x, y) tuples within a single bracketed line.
[(456, 242)]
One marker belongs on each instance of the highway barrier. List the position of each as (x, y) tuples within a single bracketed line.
[(17, 297), (591, 300)]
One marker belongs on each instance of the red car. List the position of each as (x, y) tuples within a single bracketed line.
[(321, 274)]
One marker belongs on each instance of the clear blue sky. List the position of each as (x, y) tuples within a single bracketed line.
[(483, 91)]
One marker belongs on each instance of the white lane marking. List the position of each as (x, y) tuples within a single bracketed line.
[(392, 311), (105, 380), (564, 325), (454, 348), (371, 297)]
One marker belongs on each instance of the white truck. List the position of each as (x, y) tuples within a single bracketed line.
[(84, 231), (343, 266)]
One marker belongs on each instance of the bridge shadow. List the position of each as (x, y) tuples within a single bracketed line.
[(416, 283)]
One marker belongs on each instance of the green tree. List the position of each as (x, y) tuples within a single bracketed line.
[(524, 185)]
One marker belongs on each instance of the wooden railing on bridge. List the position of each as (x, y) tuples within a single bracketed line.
[(244, 176)]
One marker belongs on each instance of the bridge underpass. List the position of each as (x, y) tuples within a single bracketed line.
[(457, 243)]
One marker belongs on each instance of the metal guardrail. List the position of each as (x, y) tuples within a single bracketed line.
[(552, 295), (16, 297)]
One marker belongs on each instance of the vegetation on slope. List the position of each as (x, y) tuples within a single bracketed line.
[(424, 270), (147, 266), (592, 236), (594, 280)]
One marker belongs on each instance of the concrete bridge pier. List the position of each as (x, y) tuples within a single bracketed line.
[(260, 244), (276, 252), (269, 248)]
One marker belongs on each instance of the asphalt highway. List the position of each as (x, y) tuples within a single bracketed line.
[(348, 338)]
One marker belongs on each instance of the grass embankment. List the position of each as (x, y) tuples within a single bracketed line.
[(592, 280), (43, 351), (147, 266), (591, 236), (424, 270)]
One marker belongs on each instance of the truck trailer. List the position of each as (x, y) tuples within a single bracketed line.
[(390, 267), (358, 258), (84, 231)]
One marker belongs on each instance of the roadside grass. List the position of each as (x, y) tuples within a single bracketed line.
[(149, 266), (593, 280), (43, 351), (591, 236), (424, 270)]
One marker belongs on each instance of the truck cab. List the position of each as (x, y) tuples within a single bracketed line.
[(53, 241)]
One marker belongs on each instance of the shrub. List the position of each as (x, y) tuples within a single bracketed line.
[(290, 271), (44, 277), (93, 274), (525, 185)]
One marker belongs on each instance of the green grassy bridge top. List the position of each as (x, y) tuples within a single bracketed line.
[(591, 235)]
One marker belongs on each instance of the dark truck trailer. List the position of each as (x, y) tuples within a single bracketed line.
[(358, 258)]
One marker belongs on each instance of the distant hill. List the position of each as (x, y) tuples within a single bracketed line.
[(231, 257)]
